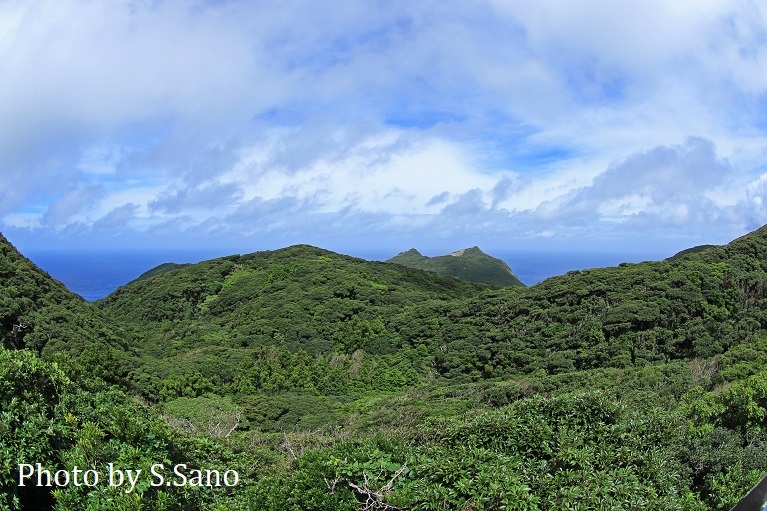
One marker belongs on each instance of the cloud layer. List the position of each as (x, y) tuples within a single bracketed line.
[(274, 122)]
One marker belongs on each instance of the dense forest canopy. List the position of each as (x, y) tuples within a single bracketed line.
[(329, 382)]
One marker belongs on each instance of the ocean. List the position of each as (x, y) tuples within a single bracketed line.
[(532, 267), (94, 275)]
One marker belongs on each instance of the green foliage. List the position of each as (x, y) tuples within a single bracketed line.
[(209, 414), (61, 424), (30, 395), (192, 385), (742, 361), (725, 439), (587, 453), (304, 487), (746, 406), (287, 411)]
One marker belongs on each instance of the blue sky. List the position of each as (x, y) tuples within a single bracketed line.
[(377, 126)]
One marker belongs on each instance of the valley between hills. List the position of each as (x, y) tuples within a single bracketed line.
[(328, 382)]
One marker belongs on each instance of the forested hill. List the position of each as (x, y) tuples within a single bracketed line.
[(699, 305), (297, 291), (689, 251), (210, 317), (469, 264), (37, 312)]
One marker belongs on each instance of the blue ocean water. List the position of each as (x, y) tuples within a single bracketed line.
[(532, 267), (94, 275)]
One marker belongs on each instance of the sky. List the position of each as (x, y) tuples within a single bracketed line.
[(378, 126)]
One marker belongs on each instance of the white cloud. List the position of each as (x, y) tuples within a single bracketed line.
[(100, 159), (211, 196), (117, 219), (382, 174), (72, 202), (666, 187), (754, 207), (524, 117)]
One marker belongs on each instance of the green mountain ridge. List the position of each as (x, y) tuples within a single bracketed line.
[(688, 251), (305, 299), (469, 264), (160, 269), (208, 317)]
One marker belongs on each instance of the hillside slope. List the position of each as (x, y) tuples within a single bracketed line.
[(159, 269), (37, 312), (311, 299), (210, 317), (699, 305), (469, 264), (689, 251)]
